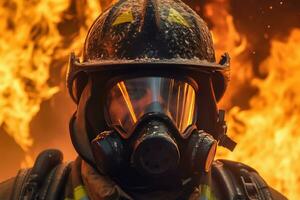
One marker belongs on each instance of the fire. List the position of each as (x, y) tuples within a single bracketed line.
[(26, 50), (34, 39), (31, 42), (267, 133), (227, 39)]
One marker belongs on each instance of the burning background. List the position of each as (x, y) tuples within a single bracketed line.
[(263, 100)]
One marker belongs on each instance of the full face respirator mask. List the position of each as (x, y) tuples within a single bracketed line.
[(153, 133)]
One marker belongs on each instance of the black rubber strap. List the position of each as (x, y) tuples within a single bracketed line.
[(240, 182), (57, 184), (28, 182), (19, 184), (231, 190), (45, 162)]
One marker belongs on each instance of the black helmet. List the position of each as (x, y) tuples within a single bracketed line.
[(141, 37)]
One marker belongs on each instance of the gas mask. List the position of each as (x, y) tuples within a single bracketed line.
[(153, 133)]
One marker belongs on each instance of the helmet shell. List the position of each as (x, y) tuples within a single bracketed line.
[(161, 29), (153, 31)]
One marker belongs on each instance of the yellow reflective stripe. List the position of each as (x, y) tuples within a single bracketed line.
[(175, 16), (123, 18), (80, 193), (206, 193)]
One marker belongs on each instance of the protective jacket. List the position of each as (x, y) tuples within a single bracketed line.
[(50, 179)]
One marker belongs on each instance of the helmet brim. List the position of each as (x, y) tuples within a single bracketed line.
[(221, 69)]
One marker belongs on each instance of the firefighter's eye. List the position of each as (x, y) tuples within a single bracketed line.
[(137, 93)]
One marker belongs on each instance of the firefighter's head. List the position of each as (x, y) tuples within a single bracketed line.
[(147, 91)]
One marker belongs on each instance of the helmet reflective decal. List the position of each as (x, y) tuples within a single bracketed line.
[(124, 17), (175, 16)]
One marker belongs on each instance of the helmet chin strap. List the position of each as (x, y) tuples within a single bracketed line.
[(223, 138)]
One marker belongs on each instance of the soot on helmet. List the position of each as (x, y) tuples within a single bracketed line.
[(154, 151)]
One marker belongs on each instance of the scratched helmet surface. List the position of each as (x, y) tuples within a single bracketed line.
[(154, 31), (136, 29)]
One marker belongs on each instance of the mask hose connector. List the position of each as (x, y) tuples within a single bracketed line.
[(155, 152)]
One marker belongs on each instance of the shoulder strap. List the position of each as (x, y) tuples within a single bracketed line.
[(19, 183), (54, 184), (240, 182), (43, 180)]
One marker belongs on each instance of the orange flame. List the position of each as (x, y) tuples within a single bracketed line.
[(30, 42), (27, 45), (267, 132), (227, 39)]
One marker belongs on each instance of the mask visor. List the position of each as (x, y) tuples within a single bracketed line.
[(129, 100)]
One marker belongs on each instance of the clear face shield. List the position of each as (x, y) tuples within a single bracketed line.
[(129, 100)]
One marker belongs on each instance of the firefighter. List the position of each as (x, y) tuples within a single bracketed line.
[(147, 124)]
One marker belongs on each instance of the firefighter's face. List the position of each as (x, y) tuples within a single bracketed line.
[(129, 100), (129, 96)]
